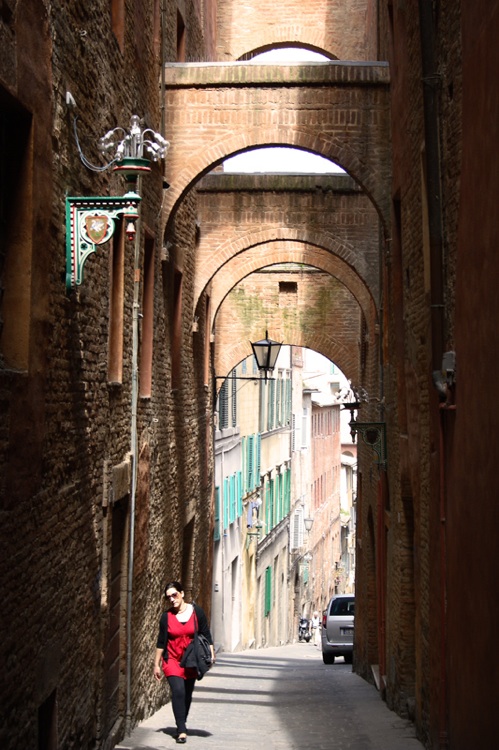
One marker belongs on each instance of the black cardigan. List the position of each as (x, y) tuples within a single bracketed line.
[(203, 628)]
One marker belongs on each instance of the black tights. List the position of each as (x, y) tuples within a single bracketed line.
[(181, 699)]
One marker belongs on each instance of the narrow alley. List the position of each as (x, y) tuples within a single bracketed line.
[(280, 698)]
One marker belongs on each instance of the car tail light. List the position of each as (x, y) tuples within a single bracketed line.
[(324, 619)]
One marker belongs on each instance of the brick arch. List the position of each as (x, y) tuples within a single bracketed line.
[(337, 110), (285, 42), (309, 241), (337, 150), (326, 340), (272, 253), (323, 26)]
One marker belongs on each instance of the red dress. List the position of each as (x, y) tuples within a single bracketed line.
[(180, 634)]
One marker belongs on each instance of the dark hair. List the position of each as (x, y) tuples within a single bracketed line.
[(174, 585)]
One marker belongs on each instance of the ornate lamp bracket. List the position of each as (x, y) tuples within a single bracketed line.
[(374, 435), (91, 222)]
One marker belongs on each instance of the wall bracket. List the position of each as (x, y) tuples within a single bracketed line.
[(374, 435), (91, 221)]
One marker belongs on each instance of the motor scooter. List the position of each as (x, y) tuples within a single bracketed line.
[(304, 633)]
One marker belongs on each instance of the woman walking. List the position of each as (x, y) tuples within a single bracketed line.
[(176, 631)]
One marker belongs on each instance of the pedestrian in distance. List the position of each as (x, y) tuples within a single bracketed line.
[(316, 629), (176, 632)]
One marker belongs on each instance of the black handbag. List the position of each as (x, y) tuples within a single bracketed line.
[(197, 655)]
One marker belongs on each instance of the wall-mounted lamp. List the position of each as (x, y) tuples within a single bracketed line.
[(373, 433), (308, 523), (252, 535), (91, 221), (266, 352), (133, 151)]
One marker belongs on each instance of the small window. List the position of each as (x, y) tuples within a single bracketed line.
[(288, 287)]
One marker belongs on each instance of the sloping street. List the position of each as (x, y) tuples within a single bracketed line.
[(281, 698)]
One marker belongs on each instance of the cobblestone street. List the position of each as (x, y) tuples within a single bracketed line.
[(281, 699)]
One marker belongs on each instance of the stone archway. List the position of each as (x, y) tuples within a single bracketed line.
[(337, 110)]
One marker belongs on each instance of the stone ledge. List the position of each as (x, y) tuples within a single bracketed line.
[(292, 182), (197, 75)]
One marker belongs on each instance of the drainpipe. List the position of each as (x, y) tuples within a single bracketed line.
[(431, 83), (133, 452)]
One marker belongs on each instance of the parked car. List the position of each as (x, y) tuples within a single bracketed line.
[(338, 628)]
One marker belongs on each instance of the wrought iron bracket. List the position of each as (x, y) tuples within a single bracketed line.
[(374, 435), (91, 221)]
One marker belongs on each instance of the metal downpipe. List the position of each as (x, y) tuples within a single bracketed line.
[(133, 451)]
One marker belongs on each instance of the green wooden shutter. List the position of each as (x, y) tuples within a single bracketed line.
[(232, 498), (278, 401), (225, 501), (239, 492), (287, 492), (244, 462), (258, 455), (288, 401)]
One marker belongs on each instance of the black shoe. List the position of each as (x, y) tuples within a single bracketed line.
[(181, 740)]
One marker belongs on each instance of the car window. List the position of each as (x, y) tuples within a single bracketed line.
[(340, 607)]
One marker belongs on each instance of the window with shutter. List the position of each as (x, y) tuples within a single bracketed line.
[(268, 591), (225, 503), (272, 503), (261, 406), (297, 531), (216, 529), (288, 401), (278, 400), (223, 406), (287, 491), (232, 498), (233, 398), (239, 493), (271, 405), (251, 462)]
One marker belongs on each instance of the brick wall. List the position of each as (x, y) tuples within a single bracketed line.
[(244, 219), (213, 112), (346, 32), (65, 437)]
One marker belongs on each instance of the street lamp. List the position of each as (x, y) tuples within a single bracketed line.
[(91, 221), (308, 523), (373, 433), (132, 151), (250, 535), (266, 352)]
